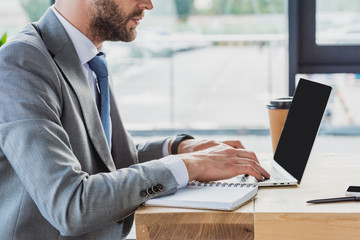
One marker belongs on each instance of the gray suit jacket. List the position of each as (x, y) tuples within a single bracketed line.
[(57, 175)]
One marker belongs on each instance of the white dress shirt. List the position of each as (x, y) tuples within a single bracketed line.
[(86, 50)]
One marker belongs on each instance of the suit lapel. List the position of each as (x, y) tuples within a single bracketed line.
[(64, 54)]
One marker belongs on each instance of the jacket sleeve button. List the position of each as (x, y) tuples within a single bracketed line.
[(160, 187), (150, 191), (143, 194), (155, 189)]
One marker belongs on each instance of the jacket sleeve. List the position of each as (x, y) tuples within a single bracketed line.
[(37, 147), (150, 150)]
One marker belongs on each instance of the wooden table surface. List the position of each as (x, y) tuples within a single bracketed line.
[(177, 223), (282, 213), (276, 212)]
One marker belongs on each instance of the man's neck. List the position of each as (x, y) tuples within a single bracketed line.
[(77, 15)]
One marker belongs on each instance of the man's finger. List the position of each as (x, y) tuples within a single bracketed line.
[(250, 170), (241, 153), (234, 143), (255, 165)]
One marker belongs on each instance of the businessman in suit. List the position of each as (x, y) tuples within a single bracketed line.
[(66, 170)]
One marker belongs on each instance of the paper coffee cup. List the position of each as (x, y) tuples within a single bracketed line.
[(278, 110)]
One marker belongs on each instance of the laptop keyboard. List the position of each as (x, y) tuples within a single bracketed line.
[(275, 174)]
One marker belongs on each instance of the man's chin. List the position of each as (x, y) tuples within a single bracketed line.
[(130, 36), (127, 37)]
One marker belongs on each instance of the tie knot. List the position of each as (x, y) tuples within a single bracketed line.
[(98, 65)]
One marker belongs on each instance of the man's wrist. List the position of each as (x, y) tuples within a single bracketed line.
[(174, 143)]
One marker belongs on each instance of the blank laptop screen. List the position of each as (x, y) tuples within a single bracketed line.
[(301, 126)]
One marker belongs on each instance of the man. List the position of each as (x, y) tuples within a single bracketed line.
[(66, 170)]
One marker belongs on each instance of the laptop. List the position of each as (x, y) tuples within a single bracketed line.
[(297, 137)]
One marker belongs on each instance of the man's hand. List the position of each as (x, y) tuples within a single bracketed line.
[(213, 161), (194, 145)]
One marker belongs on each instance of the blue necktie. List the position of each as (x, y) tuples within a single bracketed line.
[(98, 65)]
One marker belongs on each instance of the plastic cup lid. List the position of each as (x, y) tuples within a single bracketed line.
[(280, 103)]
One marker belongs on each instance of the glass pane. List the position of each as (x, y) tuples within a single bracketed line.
[(338, 22), (202, 64), (15, 14)]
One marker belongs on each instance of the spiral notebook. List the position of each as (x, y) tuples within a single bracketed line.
[(219, 195)]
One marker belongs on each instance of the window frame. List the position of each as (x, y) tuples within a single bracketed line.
[(307, 57)]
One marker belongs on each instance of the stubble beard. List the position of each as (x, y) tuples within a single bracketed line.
[(108, 22)]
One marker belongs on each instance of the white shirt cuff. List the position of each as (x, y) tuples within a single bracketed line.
[(178, 169), (165, 148)]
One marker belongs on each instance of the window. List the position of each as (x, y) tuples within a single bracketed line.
[(14, 15), (318, 51), (202, 64), (337, 22)]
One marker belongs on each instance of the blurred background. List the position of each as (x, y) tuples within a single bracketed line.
[(209, 67)]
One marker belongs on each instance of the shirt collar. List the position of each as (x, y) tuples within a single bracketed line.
[(85, 49)]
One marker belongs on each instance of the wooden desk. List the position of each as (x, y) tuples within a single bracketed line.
[(282, 213), (276, 213), (175, 223)]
